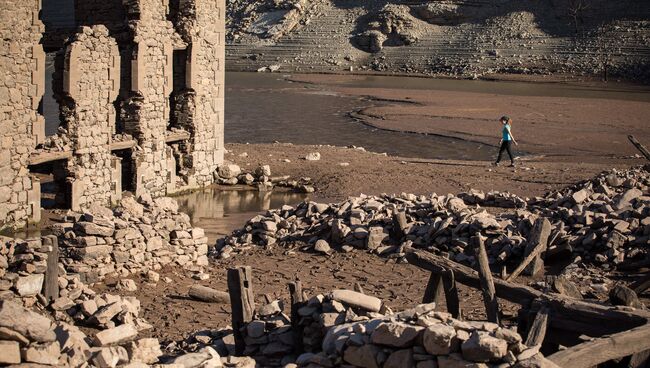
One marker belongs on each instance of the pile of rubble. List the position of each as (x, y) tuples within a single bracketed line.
[(603, 222), (138, 235), (347, 328), (232, 174)]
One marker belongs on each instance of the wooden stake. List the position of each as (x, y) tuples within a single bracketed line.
[(297, 301), (487, 283), (639, 146), (358, 288), (537, 330), (51, 283), (434, 290), (451, 294), (538, 238), (537, 250), (240, 287)]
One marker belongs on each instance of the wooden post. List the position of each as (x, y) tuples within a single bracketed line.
[(537, 250), (451, 294), (297, 301), (358, 288), (538, 238), (51, 283), (537, 330), (640, 360), (242, 301), (487, 283), (399, 224), (639, 146), (434, 290)]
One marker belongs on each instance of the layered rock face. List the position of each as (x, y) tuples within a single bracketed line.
[(459, 38)]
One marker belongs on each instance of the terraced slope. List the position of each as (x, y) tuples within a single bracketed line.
[(463, 38)]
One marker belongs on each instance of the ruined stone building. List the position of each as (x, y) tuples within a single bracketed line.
[(101, 96)]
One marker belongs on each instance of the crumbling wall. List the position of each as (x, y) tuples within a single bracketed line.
[(22, 64), (200, 108), (90, 86), (151, 85)]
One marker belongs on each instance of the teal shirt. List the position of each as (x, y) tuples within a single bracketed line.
[(506, 133)]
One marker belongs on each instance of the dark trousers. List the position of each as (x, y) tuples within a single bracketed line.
[(506, 146)]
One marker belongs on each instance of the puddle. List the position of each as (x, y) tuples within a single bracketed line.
[(219, 211)]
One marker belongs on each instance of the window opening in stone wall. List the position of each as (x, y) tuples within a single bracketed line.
[(54, 188), (179, 86), (128, 169)]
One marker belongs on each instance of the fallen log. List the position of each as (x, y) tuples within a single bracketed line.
[(593, 353), (209, 295), (565, 313)]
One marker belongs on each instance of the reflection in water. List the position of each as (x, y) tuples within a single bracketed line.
[(219, 211)]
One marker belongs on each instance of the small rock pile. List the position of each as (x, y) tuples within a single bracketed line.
[(136, 236), (348, 328), (232, 174), (384, 225), (421, 338)]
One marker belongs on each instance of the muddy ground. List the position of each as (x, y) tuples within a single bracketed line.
[(175, 317)]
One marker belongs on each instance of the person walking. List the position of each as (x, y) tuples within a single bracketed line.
[(506, 141)]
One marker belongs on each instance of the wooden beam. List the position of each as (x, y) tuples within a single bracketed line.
[(297, 302), (209, 295), (240, 287), (487, 282), (51, 282), (451, 294), (566, 313), (538, 238), (537, 250), (537, 330), (593, 353), (434, 291), (639, 146)]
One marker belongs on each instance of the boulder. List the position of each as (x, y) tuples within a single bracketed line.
[(313, 156), (481, 347), (29, 285), (10, 352), (362, 356), (439, 339), (322, 246), (116, 335), (228, 171), (395, 334), (400, 359), (29, 324)]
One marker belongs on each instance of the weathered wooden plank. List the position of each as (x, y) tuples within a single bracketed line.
[(434, 291), (592, 353), (566, 313), (242, 302), (297, 302), (400, 224), (538, 238), (487, 282), (51, 282), (534, 254), (644, 151), (537, 330), (451, 294)]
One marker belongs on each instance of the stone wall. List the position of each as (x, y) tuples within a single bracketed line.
[(201, 25), (90, 85), (22, 64), (114, 82)]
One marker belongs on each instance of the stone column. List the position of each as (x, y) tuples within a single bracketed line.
[(201, 24), (147, 109), (21, 90), (90, 87)]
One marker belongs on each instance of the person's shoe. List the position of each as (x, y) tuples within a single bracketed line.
[(495, 164), (512, 164)]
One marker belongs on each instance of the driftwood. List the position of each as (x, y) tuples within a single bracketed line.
[(537, 250), (206, 294), (592, 353), (644, 151), (565, 313), (240, 287), (487, 283)]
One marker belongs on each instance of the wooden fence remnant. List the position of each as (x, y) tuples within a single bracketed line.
[(242, 301), (487, 282)]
